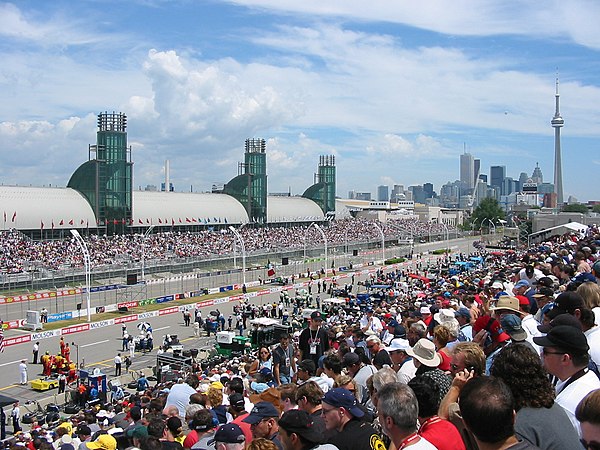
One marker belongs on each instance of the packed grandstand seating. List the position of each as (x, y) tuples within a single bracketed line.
[(18, 253)]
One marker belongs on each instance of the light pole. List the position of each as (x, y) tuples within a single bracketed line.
[(77, 352), (447, 245), (325, 242), (87, 263), (239, 238), (146, 234), (382, 240)]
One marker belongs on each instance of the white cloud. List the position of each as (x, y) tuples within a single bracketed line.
[(572, 19)]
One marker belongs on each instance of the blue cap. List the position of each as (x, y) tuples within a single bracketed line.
[(522, 283), (230, 433), (343, 398), (463, 312), (262, 410)]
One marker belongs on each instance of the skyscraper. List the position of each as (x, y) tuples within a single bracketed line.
[(557, 123), (467, 170), (497, 175), (383, 193)]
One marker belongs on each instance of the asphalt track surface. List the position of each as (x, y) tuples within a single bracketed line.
[(98, 347)]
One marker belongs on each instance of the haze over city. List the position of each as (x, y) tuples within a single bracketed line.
[(394, 91)]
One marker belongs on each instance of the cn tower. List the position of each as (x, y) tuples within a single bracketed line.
[(557, 124)]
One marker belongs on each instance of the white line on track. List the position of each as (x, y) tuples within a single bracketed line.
[(161, 328), (95, 343), (9, 363)]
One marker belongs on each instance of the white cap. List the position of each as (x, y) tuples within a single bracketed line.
[(397, 345)]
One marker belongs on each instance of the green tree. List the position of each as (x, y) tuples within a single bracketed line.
[(576, 207), (596, 208), (488, 210)]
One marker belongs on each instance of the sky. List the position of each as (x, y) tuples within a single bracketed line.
[(395, 90)]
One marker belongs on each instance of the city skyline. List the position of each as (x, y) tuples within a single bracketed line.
[(396, 92)]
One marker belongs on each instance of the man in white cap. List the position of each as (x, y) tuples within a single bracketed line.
[(403, 363)]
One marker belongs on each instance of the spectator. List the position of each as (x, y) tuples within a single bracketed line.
[(342, 419), (229, 437), (488, 411), (426, 360), (539, 419), (588, 415), (565, 351), (398, 414), (263, 420), (298, 431)]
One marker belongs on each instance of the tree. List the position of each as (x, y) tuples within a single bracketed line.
[(488, 211), (576, 207), (596, 208)]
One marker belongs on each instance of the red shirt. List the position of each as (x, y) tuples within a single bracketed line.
[(245, 427), (442, 434)]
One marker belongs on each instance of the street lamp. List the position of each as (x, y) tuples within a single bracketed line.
[(324, 240), (87, 263), (382, 240), (239, 238), (447, 245), (146, 234), (77, 352)]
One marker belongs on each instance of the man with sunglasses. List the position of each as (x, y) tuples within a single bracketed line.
[(263, 422), (565, 355)]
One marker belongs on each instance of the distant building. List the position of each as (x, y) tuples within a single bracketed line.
[(383, 193), (497, 176), (362, 196), (428, 188), (467, 171), (537, 176)]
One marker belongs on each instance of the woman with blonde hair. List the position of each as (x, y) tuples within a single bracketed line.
[(590, 292)]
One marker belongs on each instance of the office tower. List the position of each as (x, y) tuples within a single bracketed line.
[(476, 170), (557, 124), (497, 176), (428, 188), (383, 193), (467, 171), (537, 176)]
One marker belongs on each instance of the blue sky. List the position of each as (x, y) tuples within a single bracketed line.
[(393, 89)]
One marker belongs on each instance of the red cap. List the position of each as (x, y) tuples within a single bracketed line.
[(492, 326), (522, 300)]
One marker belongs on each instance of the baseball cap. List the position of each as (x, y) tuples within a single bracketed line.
[(308, 365), (236, 400), (523, 300), (522, 283), (562, 319), (544, 292), (83, 429), (398, 344), (425, 310), (569, 301), (316, 315), (565, 337), (261, 410), (350, 359), (512, 325), (596, 267), (229, 433), (393, 323), (463, 312), (492, 326), (299, 422), (139, 432), (497, 285), (343, 398), (104, 442)]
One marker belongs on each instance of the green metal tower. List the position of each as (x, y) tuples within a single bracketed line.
[(106, 178), (250, 186), (323, 190)]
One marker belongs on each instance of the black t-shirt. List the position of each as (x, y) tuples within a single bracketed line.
[(283, 358), (357, 435), (318, 338)]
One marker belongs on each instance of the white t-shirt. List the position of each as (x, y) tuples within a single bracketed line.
[(593, 339), (570, 396), (179, 395)]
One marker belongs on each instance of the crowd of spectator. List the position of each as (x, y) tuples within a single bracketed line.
[(500, 354), (19, 253)]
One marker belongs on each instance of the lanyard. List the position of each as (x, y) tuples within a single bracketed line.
[(430, 421), (409, 441), (574, 378)]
